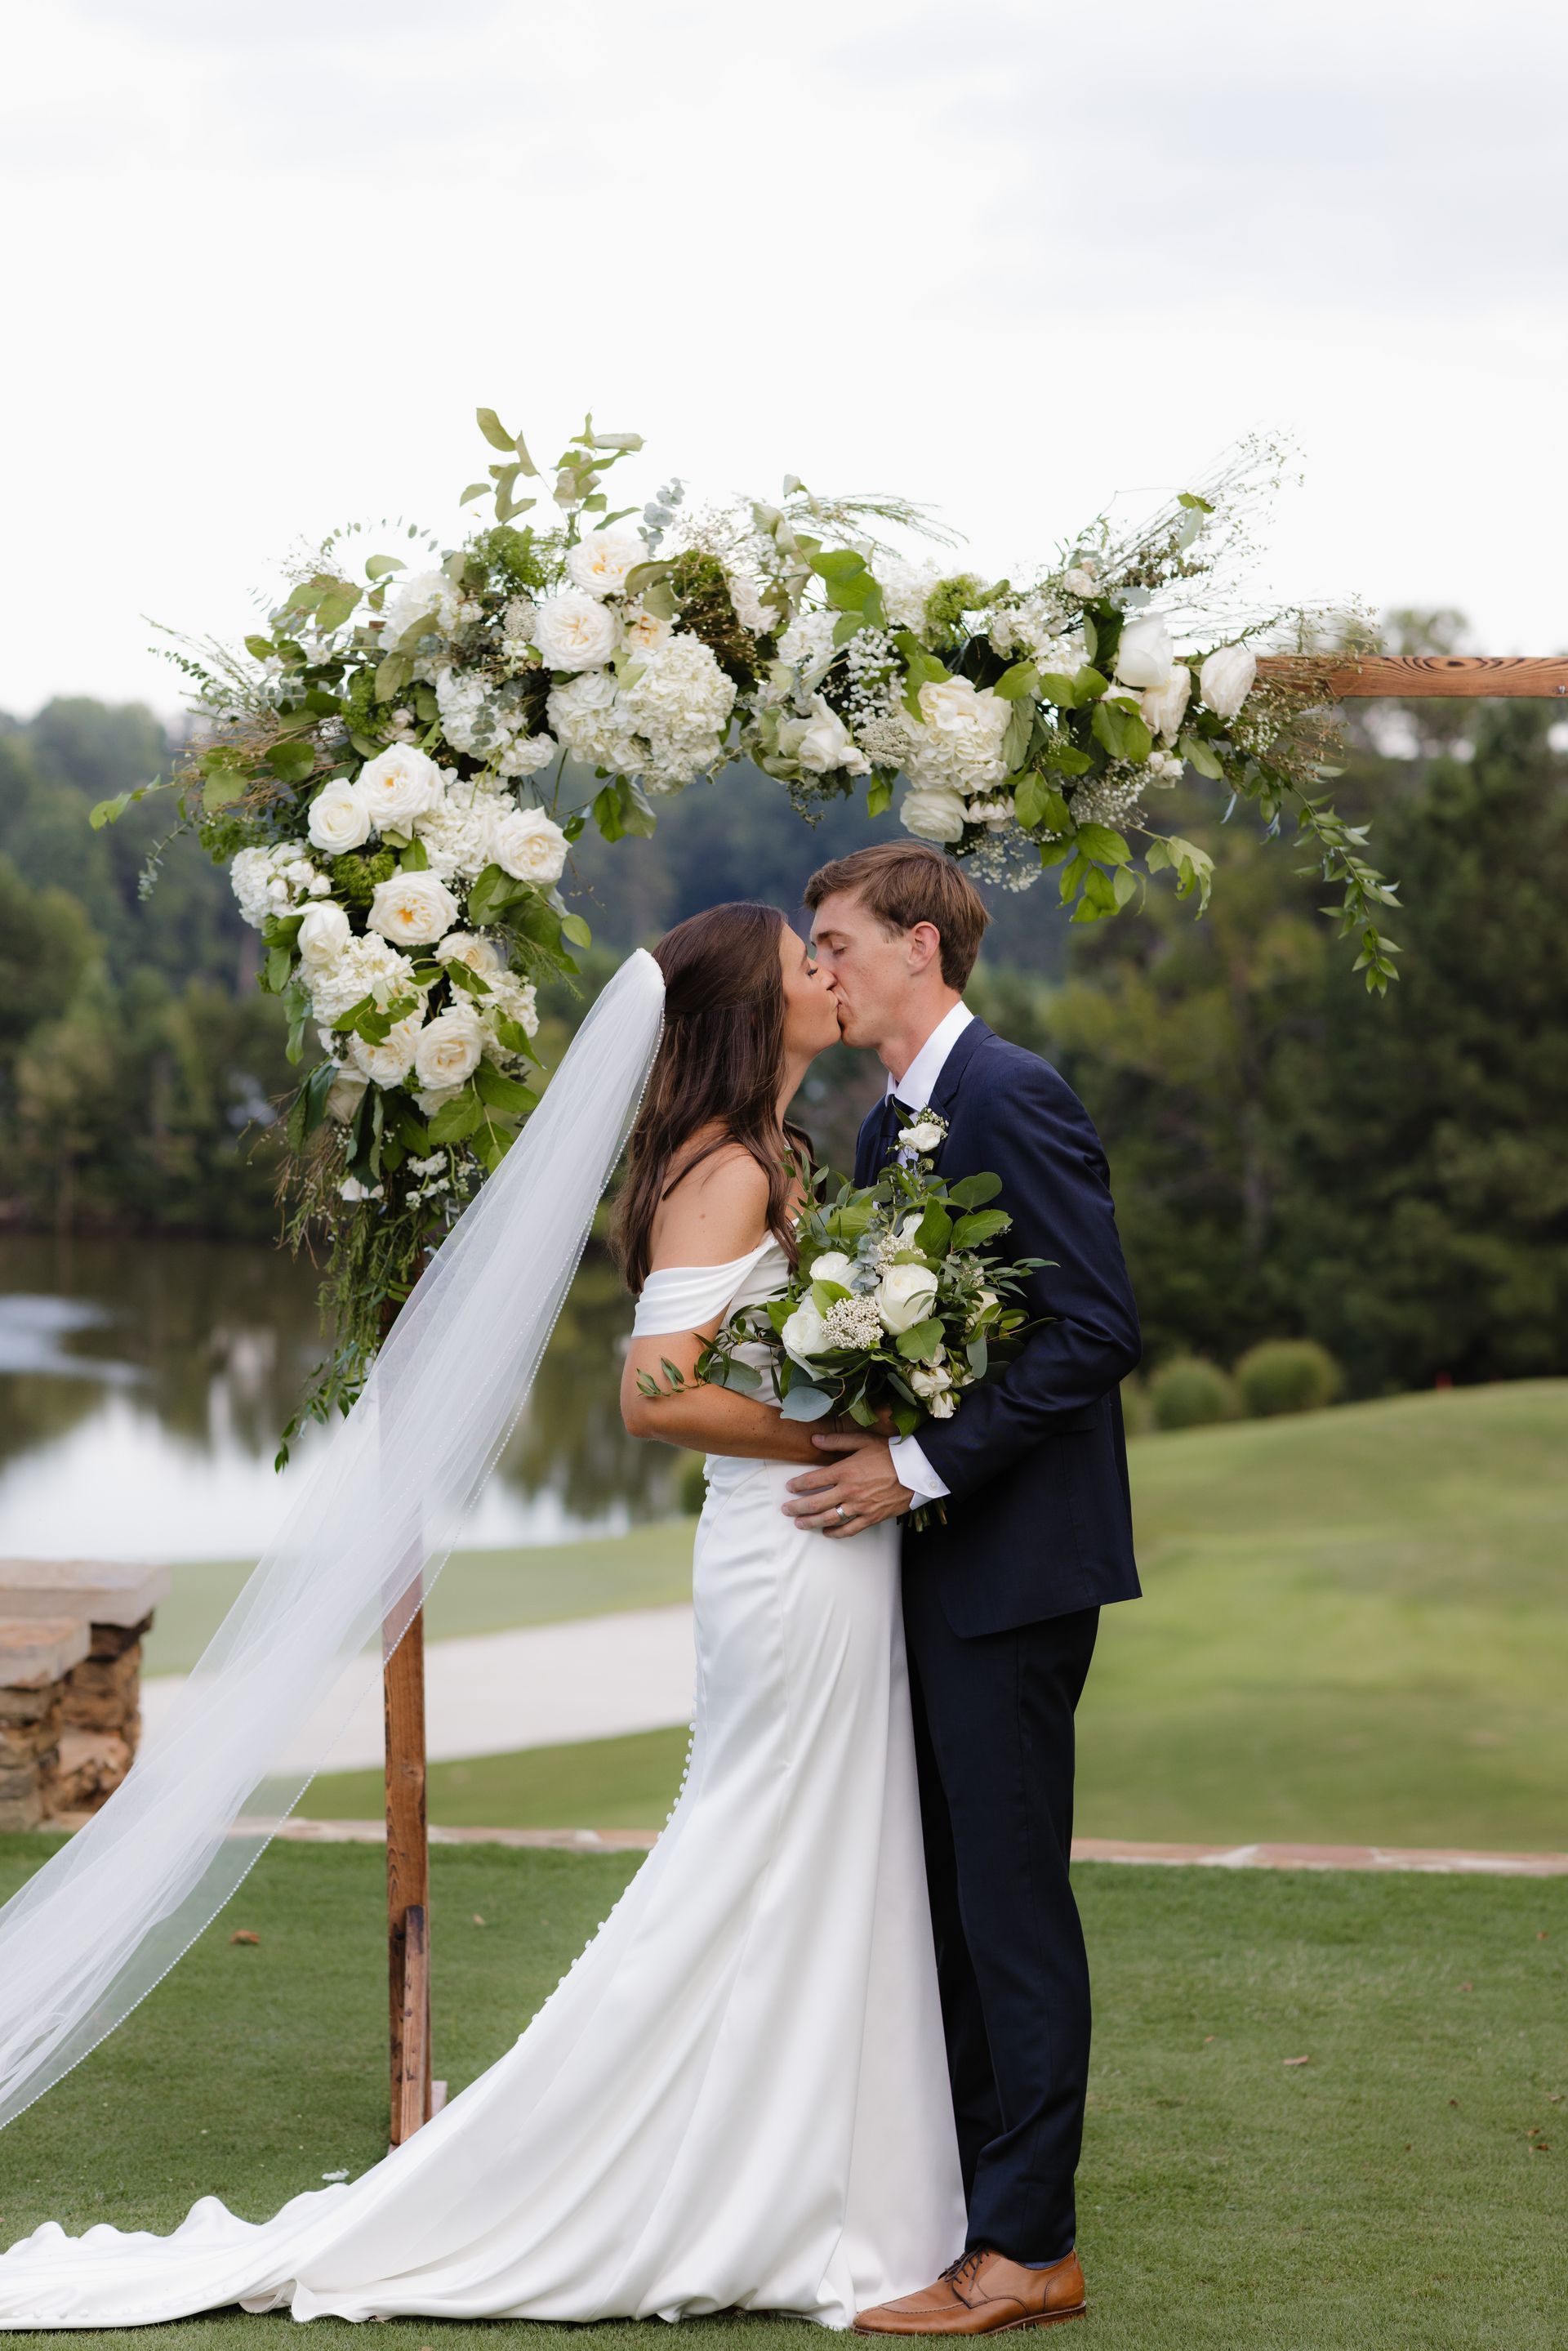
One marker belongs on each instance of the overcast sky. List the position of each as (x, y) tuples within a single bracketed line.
[(1012, 257)]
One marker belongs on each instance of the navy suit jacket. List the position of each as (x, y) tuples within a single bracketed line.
[(1039, 1515)]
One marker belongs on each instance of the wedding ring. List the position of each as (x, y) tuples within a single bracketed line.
[(843, 1513)]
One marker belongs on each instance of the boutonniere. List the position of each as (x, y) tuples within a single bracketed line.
[(926, 1133)]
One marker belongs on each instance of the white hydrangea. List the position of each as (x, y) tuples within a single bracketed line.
[(469, 718), (272, 882), (526, 754), (906, 588), (368, 965), (1035, 630), (807, 644), (457, 831), (510, 998), (586, 714), (681, 703)]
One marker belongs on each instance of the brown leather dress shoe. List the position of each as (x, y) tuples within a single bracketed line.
[(983, 2293)]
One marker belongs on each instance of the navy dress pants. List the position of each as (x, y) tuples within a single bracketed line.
[(994, 1740)]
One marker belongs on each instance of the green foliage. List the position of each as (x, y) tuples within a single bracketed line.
[(702, 592), (1287, 1375), (1190, 1393)]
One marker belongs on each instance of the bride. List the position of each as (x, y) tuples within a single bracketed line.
[(738, 2096)]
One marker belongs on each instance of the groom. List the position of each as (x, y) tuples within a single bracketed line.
[(1001, 1603)]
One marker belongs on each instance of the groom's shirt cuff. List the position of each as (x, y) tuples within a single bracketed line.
[(912, 1470)]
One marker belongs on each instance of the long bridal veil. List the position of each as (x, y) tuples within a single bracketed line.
[(97, 1926)]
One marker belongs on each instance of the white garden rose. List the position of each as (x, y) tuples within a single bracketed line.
[(904, 1296), (1080, 581), (645, 632), (934, 815), (576, 632), (344, 1094), (826, 743), (1226, 679), (397, 786), (1145, 653), (419, 596), (413, 910), (599, 563), (466, 946), (923, 1135), (1164, 706), (449, 1046), (527, 845), (805, 1333), (389, 1062), (339, 818), (324, 933), (932, 1384), (833, 1266)]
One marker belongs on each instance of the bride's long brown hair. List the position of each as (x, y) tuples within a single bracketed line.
[(719, 1067)]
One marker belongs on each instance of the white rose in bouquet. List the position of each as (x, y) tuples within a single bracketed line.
[(1164, 706), (833, 1266), (826, 743), (397, 786), (513, 999), (339, 818), (934, 815), (576, 632), (467, 947), (324, 933), (448, 1049), (344, 1094), (904, 1296), (389, 1062), (413, 910), (599, 563), (1145, 653), (934, 1388), (805, 1333), (1226, 679), (529, 847)]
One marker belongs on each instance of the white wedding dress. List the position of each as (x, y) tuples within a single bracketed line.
[(738, 2096)]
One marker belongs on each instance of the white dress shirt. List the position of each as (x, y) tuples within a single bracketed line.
[(914, 1091)]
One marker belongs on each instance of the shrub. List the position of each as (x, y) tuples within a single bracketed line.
[(691, 1486), (1137, 1415), (1189, 1392), (1287, 1375)]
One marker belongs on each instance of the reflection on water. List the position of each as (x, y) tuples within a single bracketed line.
[(144, 1385)]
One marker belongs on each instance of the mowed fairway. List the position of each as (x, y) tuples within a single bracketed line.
[(1355, 1630), (1402, 2188)]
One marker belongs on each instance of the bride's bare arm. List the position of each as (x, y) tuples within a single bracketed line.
[(716, 1213)]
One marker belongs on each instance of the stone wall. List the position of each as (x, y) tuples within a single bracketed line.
[(70, 1672)]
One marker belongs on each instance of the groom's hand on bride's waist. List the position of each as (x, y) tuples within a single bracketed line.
[(851, 1493)]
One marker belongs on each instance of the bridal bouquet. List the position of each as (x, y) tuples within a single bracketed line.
[(893, 1307)]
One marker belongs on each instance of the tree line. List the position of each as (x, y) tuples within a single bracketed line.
[(1291, 1157)]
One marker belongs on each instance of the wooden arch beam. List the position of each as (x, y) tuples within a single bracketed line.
[(1470, 675)]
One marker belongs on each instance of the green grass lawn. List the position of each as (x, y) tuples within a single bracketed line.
[(1356, 1630), (1384, 2194)]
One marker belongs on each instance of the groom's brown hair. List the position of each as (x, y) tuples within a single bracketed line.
[(903, 883)]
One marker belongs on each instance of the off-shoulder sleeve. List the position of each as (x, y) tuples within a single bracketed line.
[(684, 1297)]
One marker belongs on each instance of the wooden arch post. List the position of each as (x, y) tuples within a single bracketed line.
[(414, 2096)]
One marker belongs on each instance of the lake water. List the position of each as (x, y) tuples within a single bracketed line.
[(144, 1385)]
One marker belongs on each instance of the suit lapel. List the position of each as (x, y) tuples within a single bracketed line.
[(944, 1094)]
